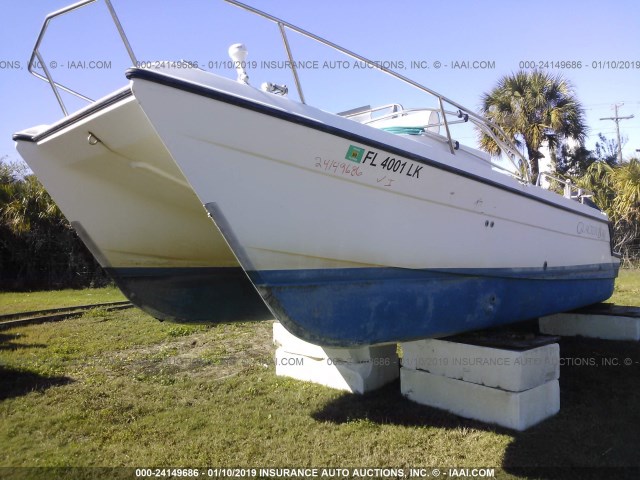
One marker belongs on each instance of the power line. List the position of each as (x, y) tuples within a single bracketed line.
[(617, 119)]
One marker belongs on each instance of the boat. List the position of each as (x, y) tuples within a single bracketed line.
[(373, 225)]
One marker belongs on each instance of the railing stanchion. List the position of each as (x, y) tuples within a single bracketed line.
[(51, 82), (446, 125), (123, 36), (294, 70)]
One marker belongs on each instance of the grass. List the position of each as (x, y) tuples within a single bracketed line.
[(121, 389), (14, 302), (627, 289)]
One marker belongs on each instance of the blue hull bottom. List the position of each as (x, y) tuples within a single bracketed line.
[(193, 295), (347, 307)]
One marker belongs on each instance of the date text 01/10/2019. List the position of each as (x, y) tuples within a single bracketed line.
[(579, 64)]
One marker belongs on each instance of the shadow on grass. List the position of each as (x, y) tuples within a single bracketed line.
[(15, 383), (6, 342), (595, 435), (388, 406)]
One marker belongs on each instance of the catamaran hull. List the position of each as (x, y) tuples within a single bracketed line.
[(356, 236), (192, 295), (394, 305), (117, 184)]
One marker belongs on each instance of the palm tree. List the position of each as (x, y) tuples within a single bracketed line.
[(617, 192), (38, 247), (599, 178), (531, 108), (627, 181)]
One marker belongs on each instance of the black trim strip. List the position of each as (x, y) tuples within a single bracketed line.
[(208, 92), (93, 108)]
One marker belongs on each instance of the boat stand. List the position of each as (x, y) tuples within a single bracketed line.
[(605, 321), (513, 384), (498, 378), (356, 370)]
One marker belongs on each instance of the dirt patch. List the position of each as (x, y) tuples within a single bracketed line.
[(217, 353)]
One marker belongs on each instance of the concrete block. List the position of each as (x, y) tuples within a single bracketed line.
[(356, 370), (510, 370), (515, 410), (354, 377), (608, 327)]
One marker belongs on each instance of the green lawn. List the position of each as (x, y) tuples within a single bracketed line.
[(12, 302), (627, 290), (122, 389)]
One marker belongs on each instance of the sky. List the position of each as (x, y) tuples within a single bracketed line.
[(458, 48)]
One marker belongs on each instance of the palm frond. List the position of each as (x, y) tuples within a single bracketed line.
[(537, 107)]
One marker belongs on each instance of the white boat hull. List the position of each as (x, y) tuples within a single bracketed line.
[(367, 251)]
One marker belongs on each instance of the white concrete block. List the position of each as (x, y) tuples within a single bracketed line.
[(608, 327), (511, 370), (356, 370), (292, 344), (517, 411), (355, 377)]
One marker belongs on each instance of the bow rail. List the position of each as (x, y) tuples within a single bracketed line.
[(484, 125), (36, 55)]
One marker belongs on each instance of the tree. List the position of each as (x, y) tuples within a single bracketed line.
[(38, 246), (617, 192), (533, 108), (607, 149), (626, 206), (576, 161), (599, 179), (7, 192)]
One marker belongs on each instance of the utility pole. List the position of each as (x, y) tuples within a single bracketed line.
[(617, 120)]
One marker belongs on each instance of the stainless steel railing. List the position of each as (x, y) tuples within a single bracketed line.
[(569, 189), (486, 126), (36, 55)]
